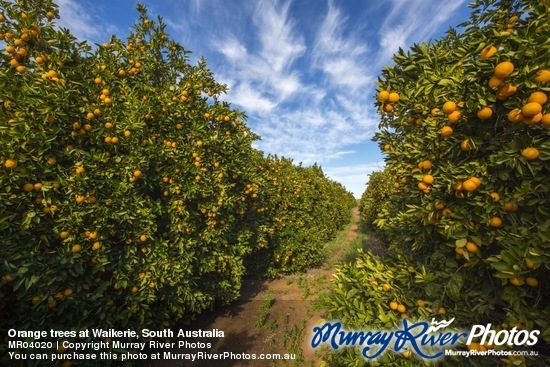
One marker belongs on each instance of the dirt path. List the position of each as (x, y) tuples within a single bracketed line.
[(271, 316)]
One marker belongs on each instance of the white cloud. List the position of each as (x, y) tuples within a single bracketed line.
[(412, 21), (353, 177), (76, 17)]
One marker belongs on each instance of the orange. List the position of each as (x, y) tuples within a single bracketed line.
[(446, 131), (472, 247), (531, 109), (10, 163), (530, 120), (515, 281), (401, 308), (435, 112), (439, 205), (506, 91), (511, 206), (538, 97), (137, 173), (530, 153), (388, 107), (441, 311), (449, 107), (545, 120), (425, 165), (543, 76), (470, 185), (459, 250), (515, 115), (143, 238), (386, 287), (422, 186), (485, 113), (393, 97), (64, 234), (495, 81), (495, 222), (454, 116), (428, 179), (28, 187), (495, 196), (465, 145), (532, 282), (504, 69), (530, 264), (199, 143), (488, 52), (76, 248), (393, 305)]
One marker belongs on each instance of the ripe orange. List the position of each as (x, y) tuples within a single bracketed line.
[(465, 145), (515, 281), (401, 308), (425, 165), (28, 187), (388, 107), (515, 115), (532, 282), (67, 292), (454, 116), (393, 305), (530, 153), (504, 69), (485, 113), (472, 247), (495, 196), (137, 173), (511, 206), (64, 234), (10, 163), (441, 311), (506, 91), (488, 52), (143, 238), (439, 205), (449, 107), (495, 222), (386, 287), (531, 109), (446, 131), (428, 179), (393, 97), (422, 186), (76, 248), (529, 264), (545, 120), (530, 120), (470, 185), (495, 81), (459, 250), (538, 97), (543, 76)]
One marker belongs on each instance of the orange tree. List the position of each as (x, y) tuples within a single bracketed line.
[(299, 210), (130, 193), (464, 125), (121, 178)]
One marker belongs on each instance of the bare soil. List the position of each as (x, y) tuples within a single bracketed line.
[(271, 316)]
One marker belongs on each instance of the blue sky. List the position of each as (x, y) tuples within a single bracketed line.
[(304, 71)]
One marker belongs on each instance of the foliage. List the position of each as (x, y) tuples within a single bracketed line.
[(464, 125), (130, 192), (300, 211)]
